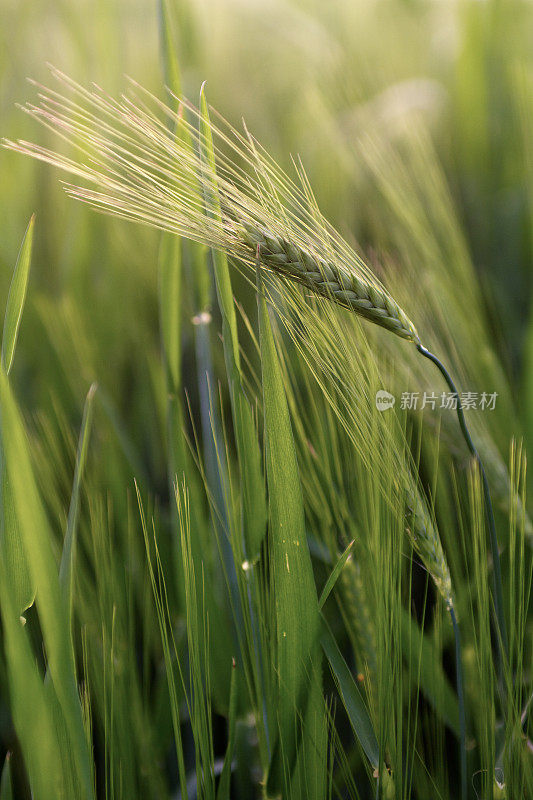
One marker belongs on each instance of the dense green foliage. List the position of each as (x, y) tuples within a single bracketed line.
[(225, 572)]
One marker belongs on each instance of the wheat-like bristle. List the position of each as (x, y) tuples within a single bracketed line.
[(146, 172)]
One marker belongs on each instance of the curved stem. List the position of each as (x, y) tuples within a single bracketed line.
[(461, 698), (498, 591)]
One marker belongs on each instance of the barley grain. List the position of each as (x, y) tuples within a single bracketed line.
[(145, 172)]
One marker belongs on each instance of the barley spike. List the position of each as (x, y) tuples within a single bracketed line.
[(143, 171), (330, 280)]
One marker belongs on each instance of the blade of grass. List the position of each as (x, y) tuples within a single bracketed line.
[(13, 551), (174, 254), (36, 537), (160, 600), (418, 646), (351, 697), (254, 506), (170, 270), (32, 716), (171, 68), (16, 298), (66, 568), (297, 623), (332, 580)]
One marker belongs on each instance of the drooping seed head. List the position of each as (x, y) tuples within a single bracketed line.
[(426, 542), (331, 280), (139, 159)]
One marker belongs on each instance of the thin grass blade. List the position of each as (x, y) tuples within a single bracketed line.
[(297, 658), (332, 580), (249, 454), (171, 67), (66, 569), (13, 551), (36, 537), (351, 697), (16, 298), (431, 677), (32, 716)]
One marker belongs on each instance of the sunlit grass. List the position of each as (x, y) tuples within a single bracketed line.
[(225, 572)]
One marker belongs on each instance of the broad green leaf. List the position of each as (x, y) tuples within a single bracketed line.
[(32, 716), (351, 697), (13, 552), (66, 569), (12, 548), (36, 538), (300, 704), (332, 580), (16, 297)]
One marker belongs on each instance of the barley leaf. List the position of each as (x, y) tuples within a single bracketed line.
[(36, 537), (170, 262), (66, 568), (220, 261), (433, 682), (253, 492), (332, 580), (12, 548), (171, 67), (170, 269), (170, 280), (173, 252), (31, 714), (297, 659), (351, 697), (16, 297)]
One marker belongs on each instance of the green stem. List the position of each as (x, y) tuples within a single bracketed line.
[(498, 591), (461, 698)]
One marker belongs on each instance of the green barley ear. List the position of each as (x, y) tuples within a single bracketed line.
[(138, 170), (130, 165), (330, 279), (426, 542)]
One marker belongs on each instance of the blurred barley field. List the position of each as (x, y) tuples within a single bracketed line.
[(226, 570)]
